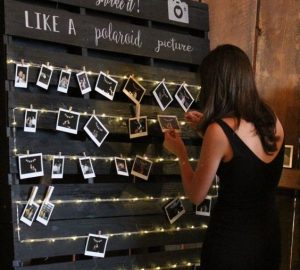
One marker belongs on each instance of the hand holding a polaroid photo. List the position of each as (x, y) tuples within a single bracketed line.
[(174, 144)]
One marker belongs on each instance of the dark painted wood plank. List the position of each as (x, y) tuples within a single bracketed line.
[(94, 63), (111, 113), (107, 225), (99, 33), (154, 10), (83, 200), (163, 259)]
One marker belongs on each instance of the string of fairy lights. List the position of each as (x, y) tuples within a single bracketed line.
[(93, 73), (125, 234), (76, 157)]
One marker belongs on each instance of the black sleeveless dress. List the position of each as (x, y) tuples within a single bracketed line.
[(244, 232)]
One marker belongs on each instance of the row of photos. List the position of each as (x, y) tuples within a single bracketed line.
[(96, 243), (105, 85)]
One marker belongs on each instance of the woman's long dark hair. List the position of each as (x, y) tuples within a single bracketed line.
[(229, 90)]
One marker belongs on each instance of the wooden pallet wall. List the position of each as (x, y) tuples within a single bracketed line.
[(79, 34)]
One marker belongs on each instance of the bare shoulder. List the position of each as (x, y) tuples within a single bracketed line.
[(214, 132), (279, 131)]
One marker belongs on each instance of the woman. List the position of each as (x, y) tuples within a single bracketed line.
[(243, 144)]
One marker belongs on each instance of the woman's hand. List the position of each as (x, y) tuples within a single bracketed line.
[(193, 118), (174, 144)]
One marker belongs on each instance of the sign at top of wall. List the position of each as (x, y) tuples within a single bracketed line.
[(178, 10), (105, 34)]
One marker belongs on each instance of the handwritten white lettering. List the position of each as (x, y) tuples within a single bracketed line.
[(128, 5), (132, 38), (27, 20), (173, 45), (41, 21), (71, 27)]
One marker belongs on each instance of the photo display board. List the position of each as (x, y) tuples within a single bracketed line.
[(54, 49)]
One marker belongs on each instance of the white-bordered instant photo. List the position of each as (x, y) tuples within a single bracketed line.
[(162, 95), (45, 213), (30, 209), (184, 97), (31, 165), (174, 210), (288, 156), (67, 121), (86, 166), (204, 208), (29, 213), (30, 120), (58, 164), (21, 76), (44, 76), (134, 90), (121, 166), (46, 208), (168, 122), (138, 127), (84, 83), (106, 85), (96, 130), (96, 245), (64, 80), (141, 167)]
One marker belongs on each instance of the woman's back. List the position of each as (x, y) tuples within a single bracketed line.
[(244, 223)]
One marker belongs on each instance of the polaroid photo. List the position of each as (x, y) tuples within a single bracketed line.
[(96, 130), (58, 163), (121, 166), (162, 96), (134, 90), (29, 213), (44, 77), (184, 97), (141, 167), (84, 83), (67, 121), (64, 80), (31, 166), (168, 122), (204, 208), (288, 156), (21, 76), (174, 210), (106, 85), (87, 167), (45, 213), (138, 127), (96, 245), (30, 121)]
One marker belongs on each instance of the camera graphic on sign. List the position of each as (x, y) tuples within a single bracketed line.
[(178, 11)]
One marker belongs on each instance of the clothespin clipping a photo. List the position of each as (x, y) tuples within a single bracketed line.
[(138, 111), (22, 62), (32, 195), (27, 152), (83, 68), (70, 108), (48, 194)]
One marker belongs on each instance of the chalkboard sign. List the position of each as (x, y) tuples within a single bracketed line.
[(147, 41)]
